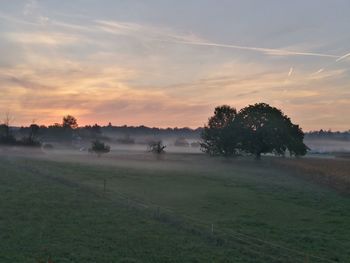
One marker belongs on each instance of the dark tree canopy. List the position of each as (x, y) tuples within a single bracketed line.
[(69, 122), (218, 136), (265, 129), (256, 129)]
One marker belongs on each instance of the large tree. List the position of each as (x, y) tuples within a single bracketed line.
[(218, 136), (256, 129), (265, 129)]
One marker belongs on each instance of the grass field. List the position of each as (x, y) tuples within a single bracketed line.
[(182, 208)]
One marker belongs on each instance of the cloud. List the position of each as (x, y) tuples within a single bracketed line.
[(143, 31), (167, 35), (329, 74), (55, 87), (30, 7), (141, 74), (43, 38)]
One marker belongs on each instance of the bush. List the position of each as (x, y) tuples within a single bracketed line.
[(157, 147), (99, 148)]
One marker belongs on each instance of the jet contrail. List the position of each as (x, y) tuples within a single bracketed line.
[(343, 57), (331, 64), (319, 71), (278, 52), (170, 38), (290, 71)]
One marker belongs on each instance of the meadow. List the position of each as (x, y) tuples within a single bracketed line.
[(132, 206)]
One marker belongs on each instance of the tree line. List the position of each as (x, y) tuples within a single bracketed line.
[(256, 129)]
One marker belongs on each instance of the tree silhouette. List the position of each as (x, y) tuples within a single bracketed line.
[(256, 129), (265, 129), (218, 137), (69, 122)]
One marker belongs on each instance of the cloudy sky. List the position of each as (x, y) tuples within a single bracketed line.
[(169, 63)]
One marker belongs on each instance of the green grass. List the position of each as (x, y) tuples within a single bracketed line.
[(259, 213)]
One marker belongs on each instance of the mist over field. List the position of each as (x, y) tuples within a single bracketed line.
[(328, 145)]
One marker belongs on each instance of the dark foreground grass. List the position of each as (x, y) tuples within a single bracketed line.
[(258, 213)]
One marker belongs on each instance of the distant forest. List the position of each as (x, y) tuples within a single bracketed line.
[(323, 134), (110, 130), (136, 131)]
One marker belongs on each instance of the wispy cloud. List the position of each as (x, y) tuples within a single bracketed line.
[(43, 38), (143, 31), (30, 6)]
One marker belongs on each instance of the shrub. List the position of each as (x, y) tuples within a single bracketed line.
[(157, 147), (99, 148)]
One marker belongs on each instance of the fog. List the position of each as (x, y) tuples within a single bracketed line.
[(139, 156), (328, 146)]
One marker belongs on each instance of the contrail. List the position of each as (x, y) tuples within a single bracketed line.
[(290, 72), (271, 51), (170, 38), (319, 71), (331, 64), (343, 57)]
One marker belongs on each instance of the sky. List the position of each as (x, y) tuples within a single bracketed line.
[(169, 63)]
